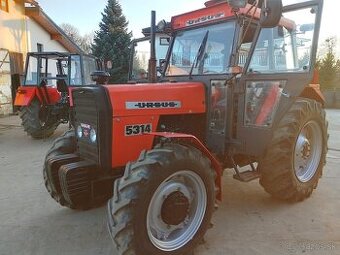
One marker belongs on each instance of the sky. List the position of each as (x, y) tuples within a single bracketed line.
[(86, 14)]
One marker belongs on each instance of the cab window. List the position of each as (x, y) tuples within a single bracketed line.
[(287, 47)]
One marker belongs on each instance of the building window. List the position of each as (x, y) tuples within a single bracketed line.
[(4, 5), (164, 40), (40, 47)]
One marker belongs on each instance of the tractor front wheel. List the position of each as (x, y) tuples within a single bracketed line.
[(164, 202), (36, 120), (293, 164)]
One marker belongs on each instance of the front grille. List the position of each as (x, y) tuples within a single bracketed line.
[(93, 109), (86, 114)]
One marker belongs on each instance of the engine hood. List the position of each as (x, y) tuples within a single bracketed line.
[(157, 98)]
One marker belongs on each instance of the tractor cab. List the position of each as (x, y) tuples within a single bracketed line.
[(252, 57), (44, 94), (65, 69), (140, 54)]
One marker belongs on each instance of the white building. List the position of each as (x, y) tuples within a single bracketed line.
[(24, 27)]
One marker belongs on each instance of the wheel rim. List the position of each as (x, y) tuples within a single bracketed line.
[(169, 232), (308, 151)]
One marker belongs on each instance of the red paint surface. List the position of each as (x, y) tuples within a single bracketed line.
[(70, 97), (213, 8), (128, 148), (190, 94), (180, 21), (268, 105), (26, 94)]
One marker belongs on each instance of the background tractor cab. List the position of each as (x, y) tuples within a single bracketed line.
[(140, 52), (44, 94)]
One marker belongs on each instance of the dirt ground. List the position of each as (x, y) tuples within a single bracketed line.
[(248, 222)]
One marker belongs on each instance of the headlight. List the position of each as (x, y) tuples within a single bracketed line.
[(79, 131), (93, 135)]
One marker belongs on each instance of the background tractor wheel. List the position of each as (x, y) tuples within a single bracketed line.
[(293, 164), (65, 144), (36, 123), (164, 202)]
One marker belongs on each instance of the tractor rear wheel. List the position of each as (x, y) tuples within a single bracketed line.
[(36, 120), (65, 144), (164, 202), (295, 157)]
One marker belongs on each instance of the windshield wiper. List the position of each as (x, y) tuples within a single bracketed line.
[(200, 54)]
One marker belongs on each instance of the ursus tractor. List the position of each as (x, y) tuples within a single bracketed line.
[(236, 90), (44, 95)]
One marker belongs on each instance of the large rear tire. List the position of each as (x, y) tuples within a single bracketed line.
[(35, 123), (295, 157), (65, 144), (164, 202)]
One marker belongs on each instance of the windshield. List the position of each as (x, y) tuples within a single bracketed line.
[(45, 68), (90, 66), (189, 57), (75, 73)]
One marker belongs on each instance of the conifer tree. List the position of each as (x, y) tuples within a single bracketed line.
[(112, 41), (328, 66)]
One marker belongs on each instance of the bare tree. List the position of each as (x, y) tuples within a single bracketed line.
[(84, 42)]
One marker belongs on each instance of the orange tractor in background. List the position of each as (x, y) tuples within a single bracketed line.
[(234, 92), (44, 95)]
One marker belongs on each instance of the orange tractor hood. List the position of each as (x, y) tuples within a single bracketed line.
[(157, 98)]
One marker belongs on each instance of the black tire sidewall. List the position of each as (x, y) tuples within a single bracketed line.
[(65, 144), (35, 129), (278, 176)]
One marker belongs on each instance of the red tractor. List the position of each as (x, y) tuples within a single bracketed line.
[(235, 91), (44, 96)]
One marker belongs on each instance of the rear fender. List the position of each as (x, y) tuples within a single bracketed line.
[(200, 146), (25, 95)]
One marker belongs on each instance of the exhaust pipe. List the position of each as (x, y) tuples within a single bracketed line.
[(153, 60)]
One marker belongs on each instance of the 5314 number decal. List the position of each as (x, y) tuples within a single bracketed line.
[(138, 129)]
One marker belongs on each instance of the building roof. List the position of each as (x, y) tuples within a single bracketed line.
[(34, 11), (57, 34), (32, 2)]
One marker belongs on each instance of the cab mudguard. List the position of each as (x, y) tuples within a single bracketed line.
[(312, 91), (200, 146)]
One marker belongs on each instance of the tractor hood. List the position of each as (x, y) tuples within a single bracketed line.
[(157, 98)]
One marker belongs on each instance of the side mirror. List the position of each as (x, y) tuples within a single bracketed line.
[(161, 25), (306, 28), (100, 77), (271, 13)]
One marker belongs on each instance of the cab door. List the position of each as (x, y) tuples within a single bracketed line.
[(280, 64)]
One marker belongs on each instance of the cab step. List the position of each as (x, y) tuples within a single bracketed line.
[(247, 176)]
